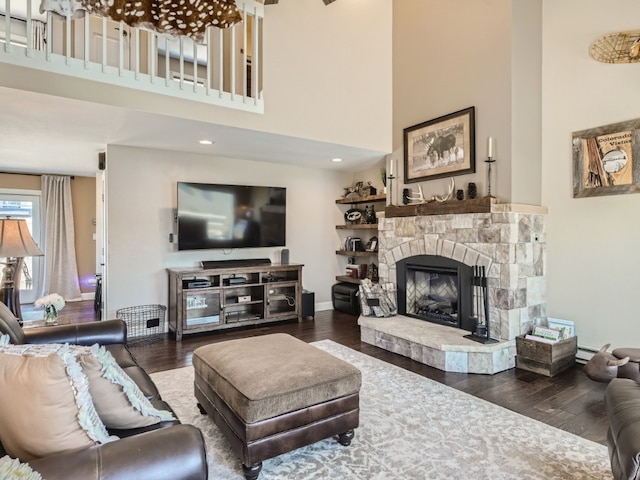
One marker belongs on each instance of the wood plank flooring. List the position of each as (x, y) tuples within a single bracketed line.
[(569, 401)]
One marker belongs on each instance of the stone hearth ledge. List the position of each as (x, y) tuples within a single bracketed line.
[(439, 346)]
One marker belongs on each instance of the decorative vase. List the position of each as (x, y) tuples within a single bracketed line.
[(50, 316), (472, 190)]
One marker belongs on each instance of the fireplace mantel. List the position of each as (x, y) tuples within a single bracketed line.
[(476, 205)]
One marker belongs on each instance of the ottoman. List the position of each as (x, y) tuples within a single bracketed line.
[(274, 393)]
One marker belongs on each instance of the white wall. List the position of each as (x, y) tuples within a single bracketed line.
[(592, 258), (141, 201)]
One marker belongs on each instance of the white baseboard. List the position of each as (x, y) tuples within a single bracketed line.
[(584, 354), (322, 306), (88, 296)]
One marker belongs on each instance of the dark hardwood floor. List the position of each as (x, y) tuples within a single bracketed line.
[(569, 401)]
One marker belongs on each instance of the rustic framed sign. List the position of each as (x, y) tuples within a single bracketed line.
[(606, 160), (442, 147)]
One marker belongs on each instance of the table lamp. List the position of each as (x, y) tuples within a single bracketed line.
[(15, 244)]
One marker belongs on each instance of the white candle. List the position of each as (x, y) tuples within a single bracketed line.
[(391, 168), (490, 148)]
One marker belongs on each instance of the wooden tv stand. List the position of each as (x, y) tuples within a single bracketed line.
[(207, 299)]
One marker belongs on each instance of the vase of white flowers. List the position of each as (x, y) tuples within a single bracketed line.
[(52, 304)]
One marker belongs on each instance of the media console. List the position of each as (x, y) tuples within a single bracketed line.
[(227, 295)]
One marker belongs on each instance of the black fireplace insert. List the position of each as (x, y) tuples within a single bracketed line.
[(436, 289)]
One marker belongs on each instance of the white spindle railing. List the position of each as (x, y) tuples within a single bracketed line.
[(224, 70)]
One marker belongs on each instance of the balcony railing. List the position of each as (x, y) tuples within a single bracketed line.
[(224, 70)]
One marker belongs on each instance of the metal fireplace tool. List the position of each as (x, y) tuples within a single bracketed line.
[(480, 307)]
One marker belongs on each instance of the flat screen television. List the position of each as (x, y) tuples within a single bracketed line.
[(230, 216)]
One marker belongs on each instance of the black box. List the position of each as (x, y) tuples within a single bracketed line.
[(345, 298), (308, 304)]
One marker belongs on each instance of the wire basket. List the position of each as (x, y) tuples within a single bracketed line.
[(143, 320)]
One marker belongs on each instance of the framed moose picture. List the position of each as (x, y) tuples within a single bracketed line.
[(442, 147)]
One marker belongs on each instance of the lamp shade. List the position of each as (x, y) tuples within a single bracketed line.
[(15, 239)]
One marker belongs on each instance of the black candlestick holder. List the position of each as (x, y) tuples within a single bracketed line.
[(391, 178), (489, 161)]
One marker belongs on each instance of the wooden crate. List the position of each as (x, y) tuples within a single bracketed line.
[(545, 358)]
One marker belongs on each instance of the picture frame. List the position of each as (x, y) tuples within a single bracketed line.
[(442, 147), (606, 160)]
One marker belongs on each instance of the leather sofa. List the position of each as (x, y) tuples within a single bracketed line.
[(168, 450), (622, 403)]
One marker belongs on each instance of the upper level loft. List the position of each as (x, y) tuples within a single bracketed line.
[(224, 69)]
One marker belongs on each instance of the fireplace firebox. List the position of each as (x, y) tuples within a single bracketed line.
[(436, 289)]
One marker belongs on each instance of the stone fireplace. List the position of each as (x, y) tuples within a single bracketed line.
[(507, 240)]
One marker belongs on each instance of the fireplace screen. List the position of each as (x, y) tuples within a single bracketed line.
[(432, 293)]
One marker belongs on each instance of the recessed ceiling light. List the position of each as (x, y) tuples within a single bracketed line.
[(336, 160), (206, 142)]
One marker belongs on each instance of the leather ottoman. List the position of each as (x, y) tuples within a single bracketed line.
[(274, 393)]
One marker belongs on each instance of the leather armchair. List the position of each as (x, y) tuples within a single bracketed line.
[(622, 402), (167, 450)]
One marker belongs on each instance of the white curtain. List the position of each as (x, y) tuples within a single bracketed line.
[(38, 35), (60, 269)]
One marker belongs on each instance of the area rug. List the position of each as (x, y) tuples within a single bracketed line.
[(410, 428)]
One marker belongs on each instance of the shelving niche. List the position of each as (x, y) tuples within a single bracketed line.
[(364, 230)]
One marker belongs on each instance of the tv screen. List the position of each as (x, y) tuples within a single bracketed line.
[(230, 216)]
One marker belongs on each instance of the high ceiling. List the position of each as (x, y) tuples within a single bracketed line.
[(46, 134)]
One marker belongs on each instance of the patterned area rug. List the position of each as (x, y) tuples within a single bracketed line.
[(410, 428)]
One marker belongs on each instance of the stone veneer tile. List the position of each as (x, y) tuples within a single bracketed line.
[(439, 245), (509, 233), (467, 235), (509, 276), (490, 234), (447, 248), (504, 217), (456, 362), (537, 290), (524, 229), (397, 255), (430, 244), (524, 253), (505, 253), (405, 248), (459, 252), (462, 221), (481, 363), (368, 335), (405, 227), (433, 357), (470, 257), (416, 247)]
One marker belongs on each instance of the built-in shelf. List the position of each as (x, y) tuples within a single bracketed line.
[(369, 198), (358, 226), (344, 278), (349, 253)]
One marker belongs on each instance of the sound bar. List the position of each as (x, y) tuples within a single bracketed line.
[(249, 262)]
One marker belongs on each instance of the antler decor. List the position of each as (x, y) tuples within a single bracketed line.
[(164, 16)]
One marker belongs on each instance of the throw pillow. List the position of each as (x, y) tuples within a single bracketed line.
[(45, 404), (118, 400), (12, 469)]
